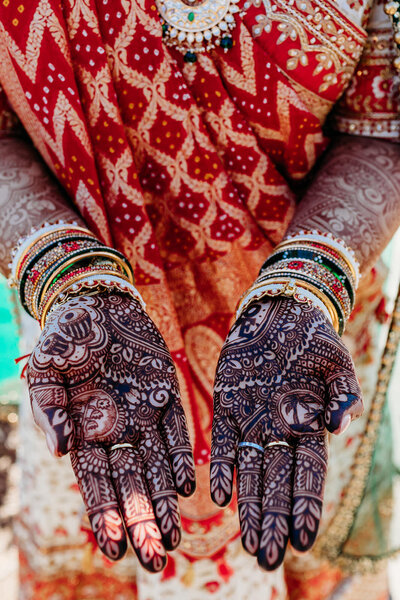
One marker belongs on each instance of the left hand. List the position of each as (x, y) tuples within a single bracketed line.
[(283, 375)]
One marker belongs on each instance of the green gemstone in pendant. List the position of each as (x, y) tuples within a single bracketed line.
[(191, 16)]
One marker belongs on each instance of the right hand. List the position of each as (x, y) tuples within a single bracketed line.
[(284, 379), (101, 374)]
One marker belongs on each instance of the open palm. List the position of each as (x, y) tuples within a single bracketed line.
[(283, 375), (101, 375)]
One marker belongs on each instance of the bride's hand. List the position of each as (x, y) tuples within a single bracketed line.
[(100, 376), (283, 375)]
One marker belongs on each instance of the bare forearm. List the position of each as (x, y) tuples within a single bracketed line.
[(29, 196), (355, 195)]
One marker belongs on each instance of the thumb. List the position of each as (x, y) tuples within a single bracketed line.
[(344, 401), (48, 406)]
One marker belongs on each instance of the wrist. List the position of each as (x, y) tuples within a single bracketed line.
[(65, 258), (314, 268)]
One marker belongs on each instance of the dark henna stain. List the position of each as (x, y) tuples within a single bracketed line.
[(120, 386), (283, 374)]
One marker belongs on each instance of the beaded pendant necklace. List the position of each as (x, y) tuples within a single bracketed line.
[(193, 26)]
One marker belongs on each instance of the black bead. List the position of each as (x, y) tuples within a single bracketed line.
[(226, 42), (190, 57)]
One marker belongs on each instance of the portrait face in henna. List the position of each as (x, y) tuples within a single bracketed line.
[(283, 376), (101, 376), (99, 414)]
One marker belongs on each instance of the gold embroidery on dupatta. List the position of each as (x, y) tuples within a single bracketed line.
[(334, 43), (43, 20)]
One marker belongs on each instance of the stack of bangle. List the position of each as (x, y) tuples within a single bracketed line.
[(87, 282), (311, 265), (55, 255)]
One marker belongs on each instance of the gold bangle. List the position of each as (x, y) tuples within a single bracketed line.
[(344, 304), (60, 285), (67, 284), (321, 296)]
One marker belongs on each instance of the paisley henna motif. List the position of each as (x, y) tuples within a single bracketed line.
[(283, 374), (101, 375)]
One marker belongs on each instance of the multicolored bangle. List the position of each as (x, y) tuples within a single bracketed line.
[(301, 255), (316, 275), (323, 267), (25, 244), (313, 284), (48, 258), (327, 240), (35, 274), (69, 278)]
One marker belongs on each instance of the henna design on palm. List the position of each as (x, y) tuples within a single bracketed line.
[(101, 375), (283, 375)]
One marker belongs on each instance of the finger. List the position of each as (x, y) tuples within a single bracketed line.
[(49, 411), (225, 437), (176, 437), (162, 489), (308, 490), (90, 464), (344, 401), (249, 492), (276, 506), (128, 475)]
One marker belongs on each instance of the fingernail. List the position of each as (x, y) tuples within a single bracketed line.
[(345, 423)]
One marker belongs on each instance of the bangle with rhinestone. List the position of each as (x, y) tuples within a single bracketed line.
[(315, 257), (96, 283), (327, 239), (36, 271), (75, 260), (343, 310), (25, 244), (103, 252), (324, 291), (318, 273), (67, 241), (68, 273), (106, 263), (280, 287), (91, 281), (37, 278), (330, 254)]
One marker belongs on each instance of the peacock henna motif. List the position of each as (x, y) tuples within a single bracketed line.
[(283, 375), (102, 375)]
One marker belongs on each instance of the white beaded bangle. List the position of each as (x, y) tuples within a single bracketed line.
[(93, 281)]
